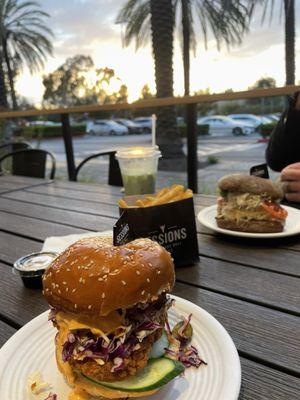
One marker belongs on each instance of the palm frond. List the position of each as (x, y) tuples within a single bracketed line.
[(135, 15), (25, 33)]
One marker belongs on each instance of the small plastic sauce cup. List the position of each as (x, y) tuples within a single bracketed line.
[(31, 268)]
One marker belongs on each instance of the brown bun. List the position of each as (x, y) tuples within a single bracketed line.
[(253, 226), (250, 184), (93, 277)]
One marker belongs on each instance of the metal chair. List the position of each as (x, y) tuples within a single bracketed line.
[(30, 162), (9, 147), (114, 172)]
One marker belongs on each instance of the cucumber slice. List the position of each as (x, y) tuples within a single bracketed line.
[(157, 373), (158, 348)]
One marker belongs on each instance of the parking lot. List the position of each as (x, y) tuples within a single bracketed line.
[(224, 154)]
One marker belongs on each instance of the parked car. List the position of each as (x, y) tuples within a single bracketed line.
[(145, 123), (220, 125), (105, 127), (44, 123), (250, 119), (132, 126), (272, 117)]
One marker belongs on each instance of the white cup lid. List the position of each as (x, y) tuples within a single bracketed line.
[(138, 152)]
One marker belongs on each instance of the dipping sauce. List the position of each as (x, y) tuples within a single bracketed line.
[(31, 268)]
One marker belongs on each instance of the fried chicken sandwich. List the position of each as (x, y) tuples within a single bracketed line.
[(109, 306)]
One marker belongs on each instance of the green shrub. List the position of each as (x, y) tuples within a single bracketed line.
[(43, 132), (266, 129), (212, 159), (201, 130)]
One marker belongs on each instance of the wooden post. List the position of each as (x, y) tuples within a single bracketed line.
[(67, 135), (192, 155)]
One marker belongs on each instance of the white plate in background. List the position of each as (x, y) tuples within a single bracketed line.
[(207, 217)]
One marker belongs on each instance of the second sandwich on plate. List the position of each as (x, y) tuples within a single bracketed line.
[(250, 204)]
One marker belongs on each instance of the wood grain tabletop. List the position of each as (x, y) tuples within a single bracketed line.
[(251, 286)]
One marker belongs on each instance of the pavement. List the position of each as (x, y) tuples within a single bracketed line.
[(232, 154)]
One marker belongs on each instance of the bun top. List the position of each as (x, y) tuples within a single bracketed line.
[(250, 184), (94, 278)]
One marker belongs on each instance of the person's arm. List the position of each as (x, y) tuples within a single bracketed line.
[(284, 145)]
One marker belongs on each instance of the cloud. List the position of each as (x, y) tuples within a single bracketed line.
[(78, 23)]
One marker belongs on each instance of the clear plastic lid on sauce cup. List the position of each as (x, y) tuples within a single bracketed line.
[(32, 266)]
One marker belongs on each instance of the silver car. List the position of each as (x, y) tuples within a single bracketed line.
[(105, 127), (220, 125), (145, 123), (132, 126)]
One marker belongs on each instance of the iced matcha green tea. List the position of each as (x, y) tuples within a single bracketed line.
[(139, 168)]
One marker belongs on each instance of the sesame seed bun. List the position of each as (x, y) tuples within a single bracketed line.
[(250, 184), (92, 277)]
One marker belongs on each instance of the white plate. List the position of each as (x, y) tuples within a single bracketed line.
[(292, 225), (32, 349)]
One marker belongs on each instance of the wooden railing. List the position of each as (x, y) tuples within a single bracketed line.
[(191, 114)]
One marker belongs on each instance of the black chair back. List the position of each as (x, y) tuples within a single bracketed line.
[(114, 172), (30, 162), (10, 147)]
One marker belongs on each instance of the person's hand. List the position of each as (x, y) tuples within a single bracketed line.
[(290, 177)]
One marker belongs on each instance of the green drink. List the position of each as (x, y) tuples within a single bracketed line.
[(139, 184), (139, 168)]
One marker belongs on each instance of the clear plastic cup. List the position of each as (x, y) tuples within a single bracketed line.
[(139, 169)]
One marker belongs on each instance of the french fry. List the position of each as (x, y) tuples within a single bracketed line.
[(140, 203), (175, 190), (122, 204), (187, 194), (163, 196), (161, 192)]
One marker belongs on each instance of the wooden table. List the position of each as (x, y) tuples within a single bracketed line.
[(251, 287)]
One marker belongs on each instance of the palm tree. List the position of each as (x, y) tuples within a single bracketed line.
[(25, 38), (289, 35), (290, 65), (155, 19), (227, 20)]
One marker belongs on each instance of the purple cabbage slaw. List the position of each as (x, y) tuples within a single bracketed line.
[(51, 396), (179, 349), (82, 344), (143, 320)]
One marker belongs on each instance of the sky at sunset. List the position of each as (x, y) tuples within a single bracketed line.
[(87, 27)]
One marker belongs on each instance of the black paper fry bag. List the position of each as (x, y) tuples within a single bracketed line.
[(172, 225)]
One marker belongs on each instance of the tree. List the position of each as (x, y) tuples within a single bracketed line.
[(146, 93), (264, 83), (67, 86), (289, 35), (227, 20), (78, 82), (24, 38), (156, 17), (264, 102)]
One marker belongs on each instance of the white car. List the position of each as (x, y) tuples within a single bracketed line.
[(220, 125), (132, 126), (105, 127), (250, 119), (145, 123)]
